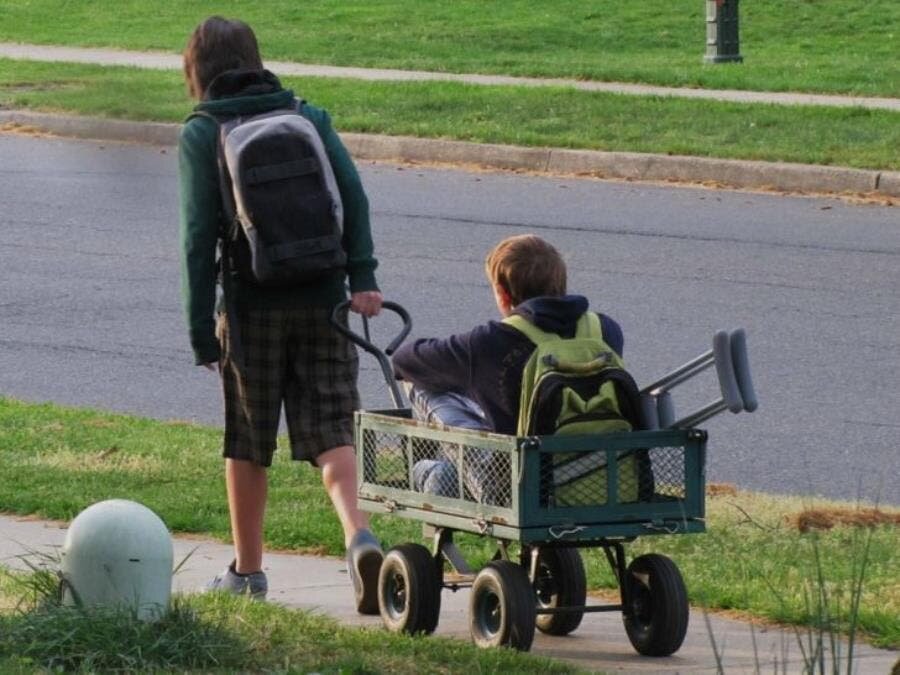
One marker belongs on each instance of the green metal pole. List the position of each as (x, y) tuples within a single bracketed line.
[(722, 40)]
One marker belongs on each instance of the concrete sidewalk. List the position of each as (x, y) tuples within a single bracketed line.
[(169, 61), (320, 584)]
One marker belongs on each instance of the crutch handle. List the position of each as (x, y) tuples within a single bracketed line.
[(741, 363), (731, 393), (729, 355)]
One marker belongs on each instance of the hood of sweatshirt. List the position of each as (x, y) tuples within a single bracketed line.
[(555, 315), (243, 92)]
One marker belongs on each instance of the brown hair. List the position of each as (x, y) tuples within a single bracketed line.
[(526, 267), (217, 45)]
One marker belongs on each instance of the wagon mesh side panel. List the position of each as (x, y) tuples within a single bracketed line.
[(582, 478), (486, 475), (531, 487), (469, 473), (668, 473), (384, 459)]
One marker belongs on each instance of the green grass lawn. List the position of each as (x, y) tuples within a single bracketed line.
[(844, 46), (220, 633), (508, 115), (57, 461)]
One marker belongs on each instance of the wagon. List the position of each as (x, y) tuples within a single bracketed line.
[(644, 483)]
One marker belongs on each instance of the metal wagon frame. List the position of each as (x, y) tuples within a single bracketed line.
[(388, 444)]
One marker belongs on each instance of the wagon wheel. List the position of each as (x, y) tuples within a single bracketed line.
[(559, 582), (656, 607), (501, 607), (409, 590)]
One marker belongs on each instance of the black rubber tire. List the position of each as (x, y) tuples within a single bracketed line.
[(501, 607), (409, 590), (656, 612), (560, 582)]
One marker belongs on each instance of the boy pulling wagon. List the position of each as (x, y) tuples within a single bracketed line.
[(257, 190)]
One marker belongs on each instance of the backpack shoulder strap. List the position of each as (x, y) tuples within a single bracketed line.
[(532, 332), (588, 326)]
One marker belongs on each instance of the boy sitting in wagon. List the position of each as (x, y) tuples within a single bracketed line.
[(488, 379)]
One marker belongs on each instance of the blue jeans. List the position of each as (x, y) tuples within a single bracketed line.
[(438, 475)]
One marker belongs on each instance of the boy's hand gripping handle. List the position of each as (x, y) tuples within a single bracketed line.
[(366, 342)]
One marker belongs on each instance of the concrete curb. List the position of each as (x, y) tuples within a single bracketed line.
[(621, 165), (97, 128)]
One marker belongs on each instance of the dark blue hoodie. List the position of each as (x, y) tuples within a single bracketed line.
[(486, 363)]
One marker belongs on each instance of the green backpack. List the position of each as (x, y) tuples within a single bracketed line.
[(579, 385)]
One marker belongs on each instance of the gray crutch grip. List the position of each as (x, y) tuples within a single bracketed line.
[(741, 363), (731, 393), (665, 410), (649, 415)]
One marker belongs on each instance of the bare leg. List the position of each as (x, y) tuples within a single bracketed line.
[(364, 554), (339, 477), (247, 485)]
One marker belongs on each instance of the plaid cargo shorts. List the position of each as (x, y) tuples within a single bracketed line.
[(293, 357)]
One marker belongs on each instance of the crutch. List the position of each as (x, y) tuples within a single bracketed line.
[(729, 356)]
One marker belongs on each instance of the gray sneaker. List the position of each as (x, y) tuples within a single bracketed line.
[(364, 558), (254, 584)]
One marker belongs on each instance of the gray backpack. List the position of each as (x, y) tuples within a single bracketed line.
[(282, 203)]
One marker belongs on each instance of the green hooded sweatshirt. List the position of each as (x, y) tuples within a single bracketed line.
[(202, 215)]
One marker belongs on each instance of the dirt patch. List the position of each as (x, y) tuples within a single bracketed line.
[(27, 87), (103, 459), (721, 490), (825, 519), (24, 130), (871, 198), (53, 427), (181, 423)]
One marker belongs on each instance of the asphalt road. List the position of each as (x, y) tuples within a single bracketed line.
[(90, 314)]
